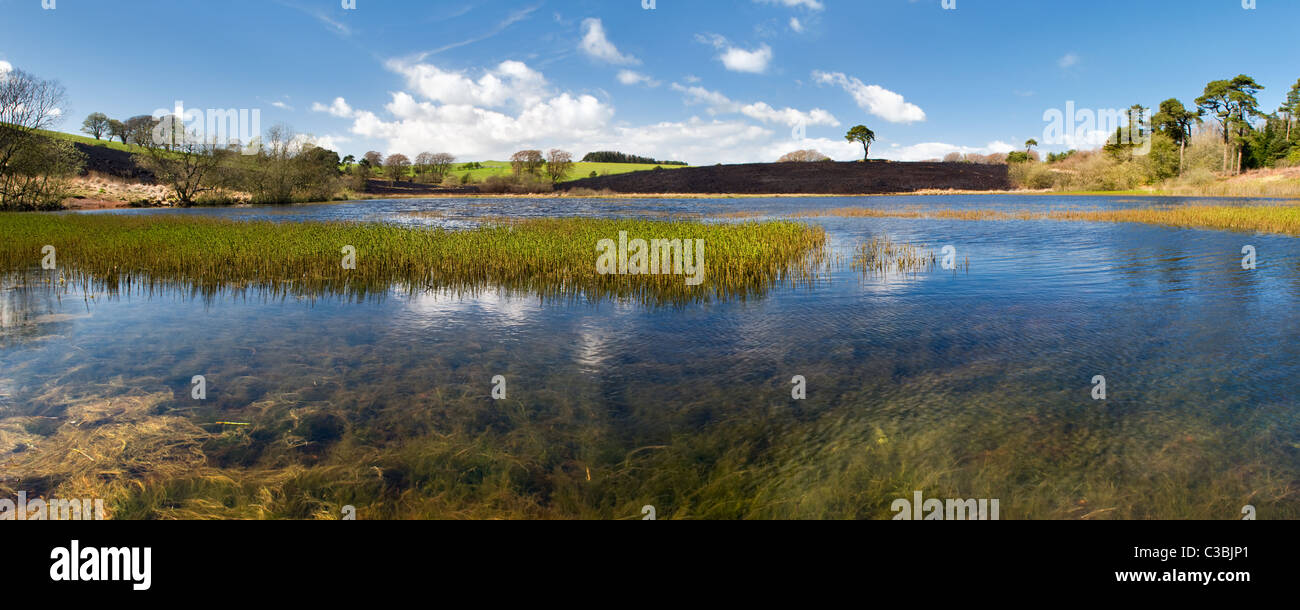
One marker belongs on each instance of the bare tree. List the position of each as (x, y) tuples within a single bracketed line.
[(423, 164), (558, 165), (375, 158), (803, 156), (527, 162), (182, 160), (396, 165), (28, 104), (440, 164), (139, 130)]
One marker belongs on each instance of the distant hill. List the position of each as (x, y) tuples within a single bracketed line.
[(825, 178)]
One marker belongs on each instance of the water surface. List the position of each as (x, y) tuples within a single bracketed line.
[(969, 384)]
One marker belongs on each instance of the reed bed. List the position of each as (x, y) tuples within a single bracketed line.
[(882, 256), (552, 258), (1280, 219)]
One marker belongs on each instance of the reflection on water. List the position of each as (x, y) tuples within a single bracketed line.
[(967, 384)]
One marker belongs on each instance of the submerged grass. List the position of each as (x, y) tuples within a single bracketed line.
[(547, 257)]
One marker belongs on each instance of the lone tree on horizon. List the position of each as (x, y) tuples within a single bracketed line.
[(1030, 144), (863, 135)]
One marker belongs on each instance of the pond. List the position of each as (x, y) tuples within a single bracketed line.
[(979, 382)]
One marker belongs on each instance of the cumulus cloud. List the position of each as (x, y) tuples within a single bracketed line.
[(789, 116), (5, 66), (493, 112), (737, 59), (718, 103), (339, 108), (796, 25), (875, 99), (630, 78), (598, 47)]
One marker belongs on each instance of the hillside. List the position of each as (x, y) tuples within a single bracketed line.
[(823, 178)]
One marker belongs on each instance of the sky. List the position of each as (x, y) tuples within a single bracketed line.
[(701, 81)]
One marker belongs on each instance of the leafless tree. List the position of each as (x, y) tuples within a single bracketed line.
[(182, 160), (28, 160), (527, 162), (396, 165), (423, 164), (440, 164), (803, 156), (558, 165)]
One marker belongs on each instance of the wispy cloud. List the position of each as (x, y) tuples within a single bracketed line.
[(1070, 60), (330, 23), (511, 19)]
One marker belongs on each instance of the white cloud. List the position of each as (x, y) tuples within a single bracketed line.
[(873, 98), (753, 62), (496, 111), (511, 83), (597, 46), (630, 78), (5, 66), (789, 116), (339, 108), (1068, 61), (814, 5), (721, 104), (717, 102), (737, 59), (281, 105), (936, 150), (796, 25), (333, 143)]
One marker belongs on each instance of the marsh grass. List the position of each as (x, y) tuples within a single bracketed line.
[(1281, 219), (551, 258), (882, 256)]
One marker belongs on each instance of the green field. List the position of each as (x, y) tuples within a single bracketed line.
[(115, 145), (580, 170), (490, 168)]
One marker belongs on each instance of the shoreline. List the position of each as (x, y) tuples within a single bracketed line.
[(88, 204)]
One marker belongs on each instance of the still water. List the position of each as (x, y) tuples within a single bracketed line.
[(970, 384)]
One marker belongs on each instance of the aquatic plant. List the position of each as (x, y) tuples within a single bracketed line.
[(551, 258)]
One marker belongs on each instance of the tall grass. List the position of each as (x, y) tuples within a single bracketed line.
[(547, 257)]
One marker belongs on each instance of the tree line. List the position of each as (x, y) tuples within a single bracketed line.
[(610, 156)]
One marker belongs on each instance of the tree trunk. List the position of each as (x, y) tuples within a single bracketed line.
[(1182, 154)]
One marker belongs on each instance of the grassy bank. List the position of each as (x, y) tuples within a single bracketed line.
[(1263, 219), (548, 257)]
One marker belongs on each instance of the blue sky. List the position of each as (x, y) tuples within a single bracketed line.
[(703, 81)]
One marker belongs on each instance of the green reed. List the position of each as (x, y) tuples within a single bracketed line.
[(553, 258), (883, 256)]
